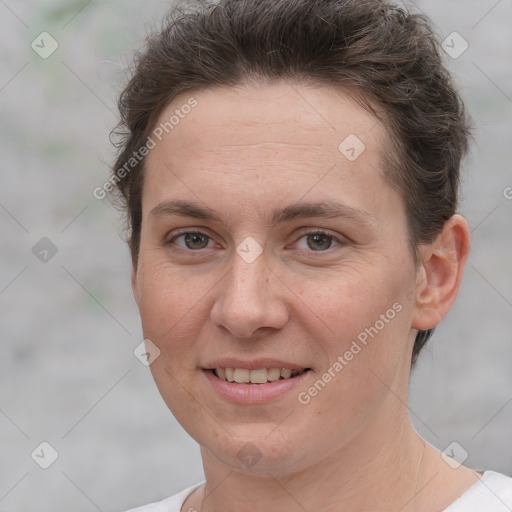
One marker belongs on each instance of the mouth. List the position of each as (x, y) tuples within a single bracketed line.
[(255, 382), (257, 376)]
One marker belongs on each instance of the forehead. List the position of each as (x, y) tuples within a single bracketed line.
[(288, 136), (279, 112)]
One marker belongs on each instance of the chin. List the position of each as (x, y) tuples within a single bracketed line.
[(260, 458), (254, 450)]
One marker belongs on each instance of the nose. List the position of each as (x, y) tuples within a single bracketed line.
[(251, 297)]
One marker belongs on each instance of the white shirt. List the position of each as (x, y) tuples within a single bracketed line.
[(492, 493)]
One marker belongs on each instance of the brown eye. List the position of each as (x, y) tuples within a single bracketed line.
[(193, 240), (318, 241)]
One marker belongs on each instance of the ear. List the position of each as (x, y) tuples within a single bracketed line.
[(440, 273), (134, 284)]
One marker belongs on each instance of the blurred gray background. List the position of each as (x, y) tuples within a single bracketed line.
[(69, 324)]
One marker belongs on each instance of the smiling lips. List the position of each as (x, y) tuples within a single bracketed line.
[(254, 382), (259, 376)]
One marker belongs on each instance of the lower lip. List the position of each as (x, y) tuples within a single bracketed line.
[(253, 393)]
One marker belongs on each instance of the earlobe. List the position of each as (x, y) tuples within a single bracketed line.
[(440, 273)]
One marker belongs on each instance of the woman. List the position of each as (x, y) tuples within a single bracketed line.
[(290, 173)]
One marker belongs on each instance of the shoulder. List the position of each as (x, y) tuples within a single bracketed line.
[(171, 504), (492, 493)]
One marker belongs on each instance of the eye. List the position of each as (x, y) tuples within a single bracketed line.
[(318, 240), (315, 240), (193, 240)]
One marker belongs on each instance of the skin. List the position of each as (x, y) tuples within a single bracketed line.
[(243, 152)]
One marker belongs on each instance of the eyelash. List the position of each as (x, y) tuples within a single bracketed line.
[(303, 235)]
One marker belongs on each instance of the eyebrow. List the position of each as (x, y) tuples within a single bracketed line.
[(325, 209)]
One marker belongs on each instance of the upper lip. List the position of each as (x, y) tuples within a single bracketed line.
[(253, 364)]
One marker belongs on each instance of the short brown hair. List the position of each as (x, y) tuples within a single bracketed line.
[(384, 55)]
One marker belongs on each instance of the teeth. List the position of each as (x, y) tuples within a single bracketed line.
[(273, 374), (260, 376), (286, 373), (242, 375)]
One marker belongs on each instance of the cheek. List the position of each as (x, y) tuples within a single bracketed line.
[(348, 302), (171, 305), (172, 313), (367, 320)]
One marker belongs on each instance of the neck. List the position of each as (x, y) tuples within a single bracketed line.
[(380, 469)]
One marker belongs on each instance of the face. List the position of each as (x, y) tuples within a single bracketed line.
[(287, 249)]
